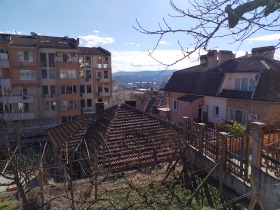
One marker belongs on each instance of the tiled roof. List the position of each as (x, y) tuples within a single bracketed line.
[(94, 51), (195, 80), (66, 137), (126, 138), (250, 64), (189, 98), (43, 41), (268, 88), (236, 94)]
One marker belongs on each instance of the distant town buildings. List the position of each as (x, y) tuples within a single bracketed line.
[(46, 81)]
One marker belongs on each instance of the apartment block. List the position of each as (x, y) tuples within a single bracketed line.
[(46, 81)]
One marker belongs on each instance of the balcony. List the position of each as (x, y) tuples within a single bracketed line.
[(4, 64), (19, 116), (70, 65), (16, 99)]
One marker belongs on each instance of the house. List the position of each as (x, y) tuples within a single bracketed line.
[(224, 88), (47, 80), (120, 139)]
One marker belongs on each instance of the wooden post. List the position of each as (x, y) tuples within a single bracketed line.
[(222, 158), (185, 128), (256, 197), (258, 135), (201, 127), (201, 185)]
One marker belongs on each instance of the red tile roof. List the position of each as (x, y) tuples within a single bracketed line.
[(124, 138)]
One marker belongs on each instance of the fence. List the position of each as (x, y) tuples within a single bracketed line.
[(235, 150)]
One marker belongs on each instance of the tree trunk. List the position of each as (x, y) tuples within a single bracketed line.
[(22, 194)]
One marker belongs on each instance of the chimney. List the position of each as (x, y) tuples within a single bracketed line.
[(78, 41), (33, 35), (225, 55), (267, 52), (203, 59), (212, 59), (99, 109), (131, 103)]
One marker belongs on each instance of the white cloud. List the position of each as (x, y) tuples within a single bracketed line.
[(96, 31), (12, 32), (163, 42), (140, 60), (266, 38), (129, 43), (95, 40)]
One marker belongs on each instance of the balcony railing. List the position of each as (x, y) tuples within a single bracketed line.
[(4, 64)]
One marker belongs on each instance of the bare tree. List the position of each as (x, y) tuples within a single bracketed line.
[(215, 19)]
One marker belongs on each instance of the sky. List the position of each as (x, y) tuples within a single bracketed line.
[(110, 24)]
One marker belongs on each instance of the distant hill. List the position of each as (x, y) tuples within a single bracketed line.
[(144, 73), (158, 78)]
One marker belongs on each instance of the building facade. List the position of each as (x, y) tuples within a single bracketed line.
[(46, 81)]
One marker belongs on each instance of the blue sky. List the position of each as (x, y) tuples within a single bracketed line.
[(109, 24)]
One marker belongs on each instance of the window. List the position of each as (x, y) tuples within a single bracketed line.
[(81, 73), (82, 89), (25, 56), (54, 105), (22, 91), (83, 103), (81, 60), (52, 73), (43, 59), (237, 83), (215, 111), (88, 61), (44, 73), (237, 115), (8, 108), (7, 90), (68, 89), (99, 89), (106, 88), (27, 75), (45, 90), (68, 105), (88, 74), (1, 108), (244, 85), (67, 58), (23, 107), (46, 105), (68, 73), (100, 100), (89, 102), (252, 84), (53, 89), (51, 60), (68, 119), (106, 75), (88, 88), (175, 105), (99, 75)]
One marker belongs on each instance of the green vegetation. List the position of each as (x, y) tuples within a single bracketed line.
[(8, 204), (171, 195), (232, 127)]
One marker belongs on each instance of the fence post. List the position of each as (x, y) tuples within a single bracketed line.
[(222, 158), (185, 128), (258, 135), (201, 130)]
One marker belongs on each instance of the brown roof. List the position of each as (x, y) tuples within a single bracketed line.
[(197, 80), (250, 64), (125, 139), (189, 98), (236, 94), (268, 88), (66, 137), (43, 41), (94, 51)]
